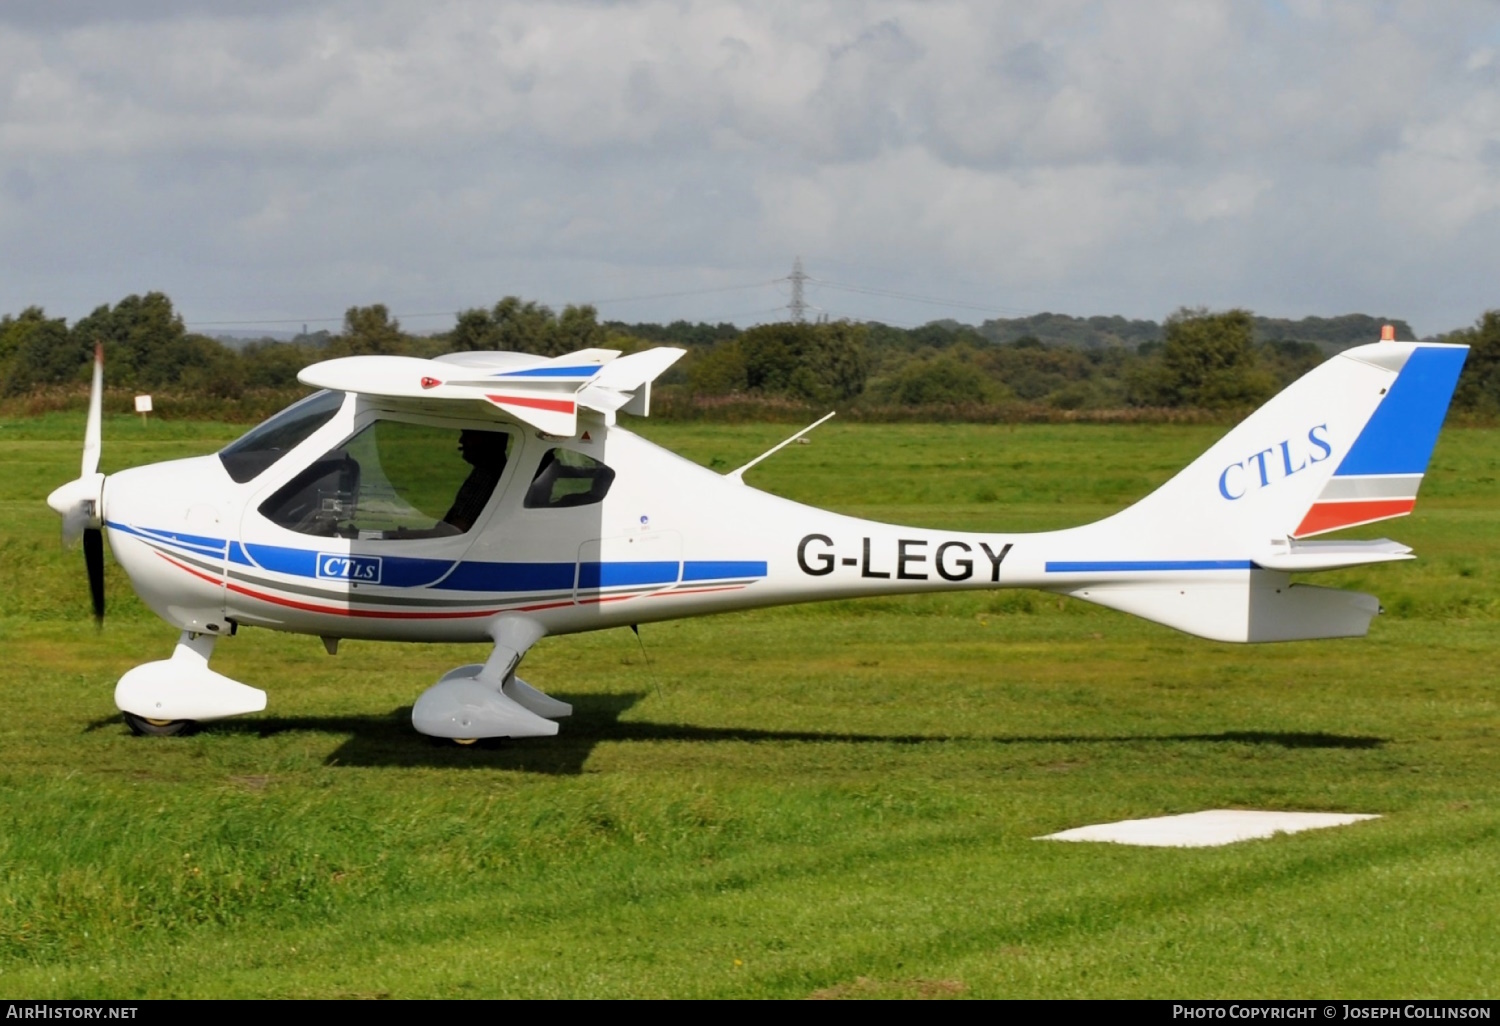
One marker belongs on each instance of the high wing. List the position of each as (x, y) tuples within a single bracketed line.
[(545, 392)]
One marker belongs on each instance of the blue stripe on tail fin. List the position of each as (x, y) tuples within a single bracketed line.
[(1400, 436)]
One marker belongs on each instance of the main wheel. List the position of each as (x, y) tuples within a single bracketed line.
[(141, 726)]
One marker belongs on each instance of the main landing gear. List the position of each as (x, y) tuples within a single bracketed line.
[(489, 700), (140, 726)]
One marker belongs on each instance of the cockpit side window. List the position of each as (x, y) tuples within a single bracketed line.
[(567, 478), (393, 480), (272, 439)]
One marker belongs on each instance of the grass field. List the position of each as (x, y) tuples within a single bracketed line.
[(832, 800)]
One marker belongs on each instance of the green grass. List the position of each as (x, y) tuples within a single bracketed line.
[(833, 799)]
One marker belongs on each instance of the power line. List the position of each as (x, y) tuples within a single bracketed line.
[(307, 320), (449, 313), (687, 292), (277, 320), (797, 307), (759, 313), (867, 290)]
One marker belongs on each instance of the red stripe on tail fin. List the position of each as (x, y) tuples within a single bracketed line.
[(1330, 516)]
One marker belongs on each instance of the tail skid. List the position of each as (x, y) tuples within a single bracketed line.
[(1214, 548)]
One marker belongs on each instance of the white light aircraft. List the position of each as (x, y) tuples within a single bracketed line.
[(493, 497)]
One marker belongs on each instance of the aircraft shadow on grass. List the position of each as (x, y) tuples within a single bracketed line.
[(388, 740)]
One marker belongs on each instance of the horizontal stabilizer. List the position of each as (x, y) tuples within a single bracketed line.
[(1305, 556), (1261, 605)]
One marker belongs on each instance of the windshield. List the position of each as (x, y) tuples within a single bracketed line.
[(395, 480), (272, 439)]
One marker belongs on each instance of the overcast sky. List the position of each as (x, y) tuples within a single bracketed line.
[(261, 161)]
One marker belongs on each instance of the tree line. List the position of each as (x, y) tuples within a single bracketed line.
[(1025, 367)]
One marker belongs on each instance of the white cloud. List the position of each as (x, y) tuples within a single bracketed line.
[(1231, 195), (1150, 154)]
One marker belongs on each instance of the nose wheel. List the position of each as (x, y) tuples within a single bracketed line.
[(141, 726)]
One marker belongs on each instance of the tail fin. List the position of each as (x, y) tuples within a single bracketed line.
[(1346, 444), (1211, 550)]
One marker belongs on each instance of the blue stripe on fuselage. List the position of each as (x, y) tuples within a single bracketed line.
[(509, 577), (193, 543), (282, 560), (397, 571), (411, 572), (713, 570), (611, 575), (1130, 565), (195, 540)]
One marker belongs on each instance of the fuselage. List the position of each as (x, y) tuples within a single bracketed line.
[(668, 539)]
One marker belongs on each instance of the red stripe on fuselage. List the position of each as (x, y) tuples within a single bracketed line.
[(383, 614), (695, 591), (310, 607), (1328, 516)]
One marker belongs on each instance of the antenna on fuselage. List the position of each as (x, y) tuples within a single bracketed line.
[(739, 474), (650, 669)]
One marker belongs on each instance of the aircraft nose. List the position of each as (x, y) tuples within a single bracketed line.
[(193, 495), (165, 512), (80, 503), (59, 499), (66, 498)]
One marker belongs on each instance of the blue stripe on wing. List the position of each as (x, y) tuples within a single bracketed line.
[(587, 371)]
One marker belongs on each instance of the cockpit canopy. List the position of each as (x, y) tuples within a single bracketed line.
[(395, 479), (402, 476)]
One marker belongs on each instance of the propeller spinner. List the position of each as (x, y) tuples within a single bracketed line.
[(80, 502)]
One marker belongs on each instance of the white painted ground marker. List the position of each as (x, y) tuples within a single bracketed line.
[(1206, 829)]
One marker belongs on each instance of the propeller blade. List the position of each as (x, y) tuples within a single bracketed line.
[(80, 502), (91, 432), (93, 561)]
